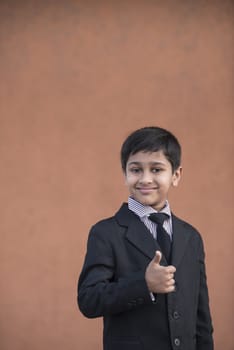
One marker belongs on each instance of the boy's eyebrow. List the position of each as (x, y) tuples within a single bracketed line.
[(151, 163)]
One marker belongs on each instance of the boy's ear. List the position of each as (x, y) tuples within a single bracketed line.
[(176, 176)]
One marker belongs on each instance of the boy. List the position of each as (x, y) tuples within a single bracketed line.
[(144, 270)]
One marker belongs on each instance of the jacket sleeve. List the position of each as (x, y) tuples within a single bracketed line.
[(100, 291), (204, 328)]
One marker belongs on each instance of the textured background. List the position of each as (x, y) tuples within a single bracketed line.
[(75, 78)]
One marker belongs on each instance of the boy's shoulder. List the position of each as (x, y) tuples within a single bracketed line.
[(122, 212), (179, 222), (122, 216)]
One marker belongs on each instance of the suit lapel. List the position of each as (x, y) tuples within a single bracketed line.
[(137, 233), (180, 240), (141, 238)]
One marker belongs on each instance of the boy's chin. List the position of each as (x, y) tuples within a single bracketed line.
[(148, 202), (155, 205)]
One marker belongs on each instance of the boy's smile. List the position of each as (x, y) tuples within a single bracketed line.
[(149, 177)]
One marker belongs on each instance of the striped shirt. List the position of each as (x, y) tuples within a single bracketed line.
[(143, 211)]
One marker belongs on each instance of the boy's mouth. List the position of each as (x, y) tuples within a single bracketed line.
[(146, 190)]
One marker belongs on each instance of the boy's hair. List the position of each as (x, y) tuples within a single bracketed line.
[(152, 139)]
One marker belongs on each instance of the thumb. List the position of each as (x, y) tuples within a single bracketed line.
[(157, 257)]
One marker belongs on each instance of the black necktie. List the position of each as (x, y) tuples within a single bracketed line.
[(162, 236)]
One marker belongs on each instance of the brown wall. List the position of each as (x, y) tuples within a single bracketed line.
[(75, 78)]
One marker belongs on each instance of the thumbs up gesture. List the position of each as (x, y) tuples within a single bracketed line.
[(157, 258), (159, 279)]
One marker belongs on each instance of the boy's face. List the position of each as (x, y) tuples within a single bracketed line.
[(149, 177)]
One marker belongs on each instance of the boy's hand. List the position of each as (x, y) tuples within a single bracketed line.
[(160, 279)]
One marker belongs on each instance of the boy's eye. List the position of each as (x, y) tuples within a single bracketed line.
[(156, 170), (135, 170)]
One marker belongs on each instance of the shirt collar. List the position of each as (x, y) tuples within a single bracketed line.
[(145, 210)]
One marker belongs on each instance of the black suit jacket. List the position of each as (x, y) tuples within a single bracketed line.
[(112, 284)]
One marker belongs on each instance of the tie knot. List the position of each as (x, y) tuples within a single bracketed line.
[(159, 218)]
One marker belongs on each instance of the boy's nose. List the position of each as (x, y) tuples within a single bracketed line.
[(146, 177)]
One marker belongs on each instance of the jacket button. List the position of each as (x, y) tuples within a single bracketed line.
[(176, 315), (177, 342)]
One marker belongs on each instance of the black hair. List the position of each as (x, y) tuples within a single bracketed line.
[(152, 139)]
